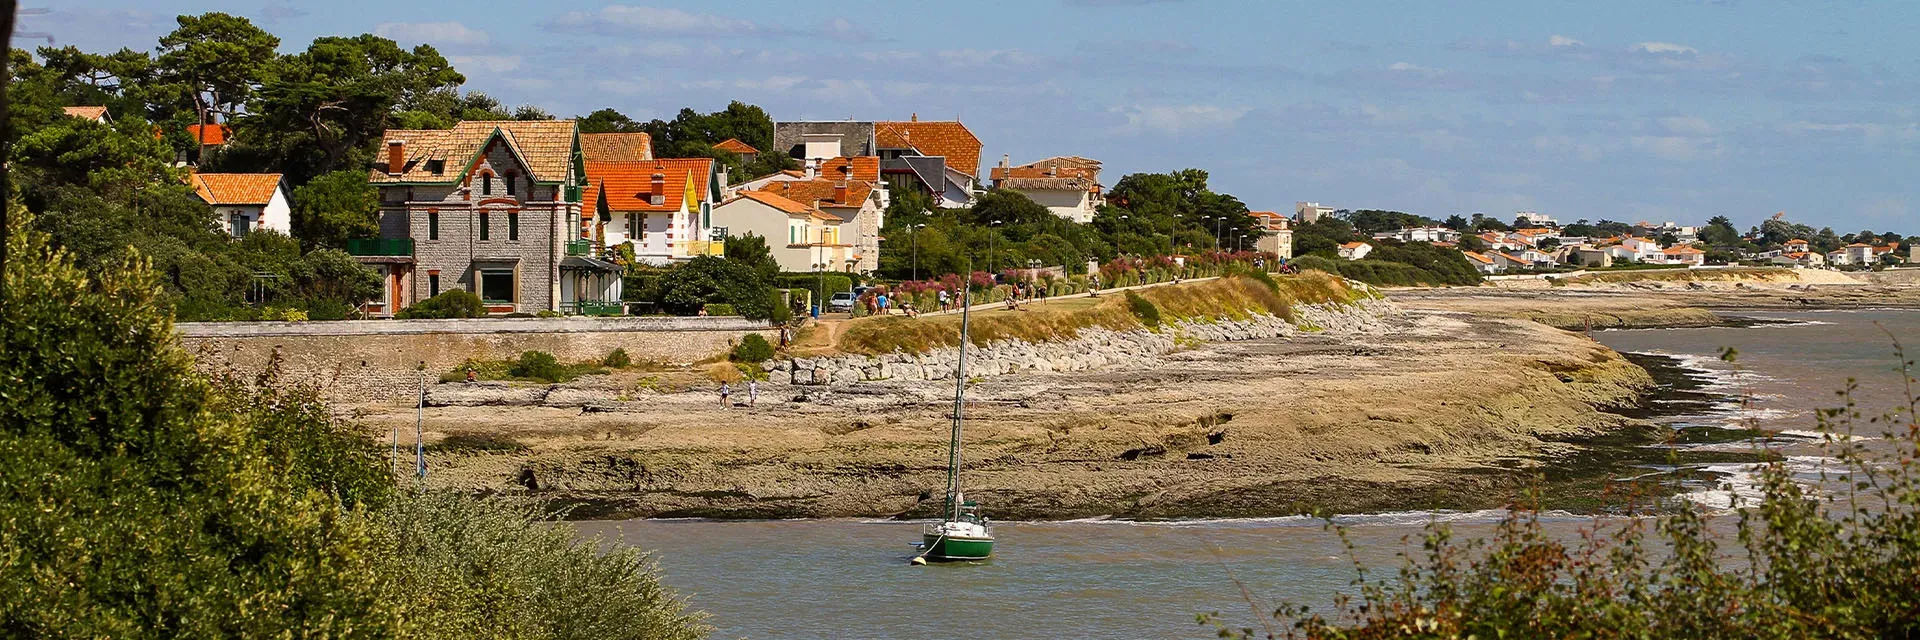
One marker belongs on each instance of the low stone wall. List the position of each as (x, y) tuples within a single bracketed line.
[(575, 324), (381, 366), (1093, 349)]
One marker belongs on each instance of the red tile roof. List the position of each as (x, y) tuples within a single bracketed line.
[(736, 146), (628, 186), (784, 204), (821, 192), (216, 134), (1478, 257), (1680, 250), (1088, 170), (235, 188), (547, 146), (946, 138)]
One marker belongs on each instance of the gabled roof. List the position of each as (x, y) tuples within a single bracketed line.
[(1796, 241), (947, 138), (235, 188), (1476, 257), (628, 186), (1271, 220), (214, 134), (1859, 244), (1353, 245), (616, 147), (98, 114), (784, 204), (1055, 167), (821, 192), (1680, 250), (1047, 184), (734, 145), (864, 168), (547, 146)]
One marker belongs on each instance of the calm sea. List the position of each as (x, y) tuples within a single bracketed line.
[(1107, 579)]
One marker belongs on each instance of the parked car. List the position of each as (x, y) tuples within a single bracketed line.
[(841, 301)]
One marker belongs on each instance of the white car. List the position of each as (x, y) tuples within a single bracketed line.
[(841, 301)]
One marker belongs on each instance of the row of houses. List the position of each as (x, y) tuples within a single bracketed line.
[(1800, 253)]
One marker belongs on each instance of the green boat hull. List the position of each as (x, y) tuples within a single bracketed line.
[(950, 549)]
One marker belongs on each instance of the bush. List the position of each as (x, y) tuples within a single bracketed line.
[(1143, 309), (752, 349), (720, 310), (538, 365), (547, 313), (454, 303), (782, 312), (617, 359)]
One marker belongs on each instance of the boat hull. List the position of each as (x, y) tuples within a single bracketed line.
[(953, 549)]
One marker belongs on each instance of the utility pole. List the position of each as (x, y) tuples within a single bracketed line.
[(913, 233), (420, 415)]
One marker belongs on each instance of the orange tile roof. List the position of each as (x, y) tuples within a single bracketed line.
[(864, 168), (822, 192), (1476, 257), (546, 146), (90, 113), (1271, 220), (1680, 250), (1796, 241), (1056, 167), (616, 147), (1353, 245), (628, 186), (784, 204), (736, 146), (235, 188), (946, 138), (1533, 231), (216, 134), (1858, 244)]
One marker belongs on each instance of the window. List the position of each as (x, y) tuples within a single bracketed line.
[(496, 285), (486, 184), (238, 223), (485, 219), (512, 182), (791, 235), (513, 225), (433, 225), (433, 284), (437, 166), (637, 226)]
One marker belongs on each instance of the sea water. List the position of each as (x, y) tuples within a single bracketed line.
[(1118, 579)]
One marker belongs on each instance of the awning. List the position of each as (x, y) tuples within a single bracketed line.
[(583, 263)]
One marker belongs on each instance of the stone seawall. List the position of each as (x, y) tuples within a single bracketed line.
[(1093, 349), (358, 368)]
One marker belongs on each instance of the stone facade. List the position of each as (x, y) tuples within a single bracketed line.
[(525, 232)]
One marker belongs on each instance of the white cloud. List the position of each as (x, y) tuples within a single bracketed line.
[(433, 33), (1557, 40), (1411, 67), (1687, 125), (1177, 118), (493, 64), (644, 21), (1677, 148), (1664, 48), (984, 57)]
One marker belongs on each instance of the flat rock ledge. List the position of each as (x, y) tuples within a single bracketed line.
[(1094, 348)]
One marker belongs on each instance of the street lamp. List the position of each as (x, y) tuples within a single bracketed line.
[(993, 258), (913, 234), (1216, 231), (820, 306)]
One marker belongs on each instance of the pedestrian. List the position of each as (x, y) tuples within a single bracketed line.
[(753, 391), (883, 302), (724, 392), (944, 302), (472, 376), (783, 336)]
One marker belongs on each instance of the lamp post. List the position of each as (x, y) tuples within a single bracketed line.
[(1216, 231), (913, 234), (820, 306), (993, 258)]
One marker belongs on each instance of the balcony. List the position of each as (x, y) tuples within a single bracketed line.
[(707, 248), (582, 248), (380, 247)]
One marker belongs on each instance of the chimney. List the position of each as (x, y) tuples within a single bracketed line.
[(840, 192), (396, 157), (915, 117), (1053, 168), (657, 194), (1006, 160), (813, 168)]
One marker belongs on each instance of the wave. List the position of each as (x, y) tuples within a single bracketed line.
[(1741, 486)]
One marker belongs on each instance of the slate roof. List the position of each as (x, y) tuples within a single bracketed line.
[(946, 138), (90, 113), (736, 146), (235, 188), (628, 186), (616, 147), (546, 146)]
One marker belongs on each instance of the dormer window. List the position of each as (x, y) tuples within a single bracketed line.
[(437, 167)]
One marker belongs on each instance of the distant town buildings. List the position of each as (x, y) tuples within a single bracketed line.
[(1310, 212), (1536, 219), (1276, 235)]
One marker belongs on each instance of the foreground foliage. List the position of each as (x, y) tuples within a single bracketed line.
[(1840, 560), (139, 498)]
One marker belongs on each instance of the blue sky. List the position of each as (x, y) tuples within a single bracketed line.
[(1655, 110)]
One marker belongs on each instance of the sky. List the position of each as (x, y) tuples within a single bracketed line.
[(1624, 110)]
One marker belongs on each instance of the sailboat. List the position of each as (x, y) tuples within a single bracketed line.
[(963, 533)]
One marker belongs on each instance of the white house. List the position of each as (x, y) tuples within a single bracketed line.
[(1482, 263), (246, 202), (1068, 186), (1683, 254), (1800, 259), (800, 236), (1277, 234), (1536, 218), (1421, 234), (1796, 245), (1355, 250), (1860, 253), (856, 218), (1639, 250), (660, 208)]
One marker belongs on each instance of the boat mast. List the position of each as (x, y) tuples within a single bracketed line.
[(959, 403)]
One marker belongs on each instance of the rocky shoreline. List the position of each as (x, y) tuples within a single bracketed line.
[(1350, 408)]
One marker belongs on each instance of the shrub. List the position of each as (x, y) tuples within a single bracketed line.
[(617, 359), (720, 310), (547, 313), (781, 312), (1143, 309), (753, 349), (538, 365), (454, 303)]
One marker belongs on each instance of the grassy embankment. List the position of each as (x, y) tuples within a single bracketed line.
[(1228, 298), (1762, 274)]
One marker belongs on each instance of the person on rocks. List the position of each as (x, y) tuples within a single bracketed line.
[(725, 391), (753, 391)]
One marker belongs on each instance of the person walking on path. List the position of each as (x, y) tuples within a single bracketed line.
[(753, 392), (725, 391)]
